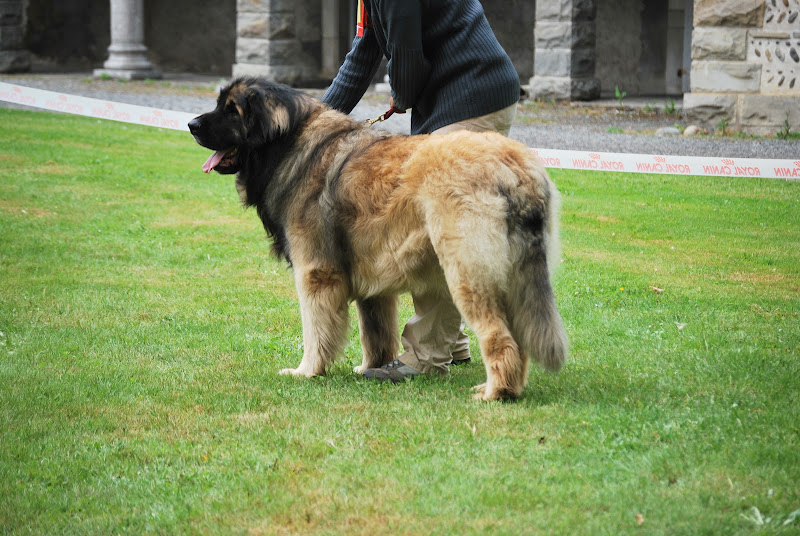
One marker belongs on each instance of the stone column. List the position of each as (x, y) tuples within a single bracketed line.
[(266, 40), (127, 53), (746, 65), (564, 50), (13, 58)]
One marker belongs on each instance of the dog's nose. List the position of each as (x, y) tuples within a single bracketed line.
[(194, 124)]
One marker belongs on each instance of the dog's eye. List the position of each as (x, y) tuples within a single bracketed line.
[(230, 108)]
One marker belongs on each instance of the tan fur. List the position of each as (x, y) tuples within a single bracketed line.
[(449, 214), (426, 216)]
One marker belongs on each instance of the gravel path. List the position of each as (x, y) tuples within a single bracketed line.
[(596, 126)]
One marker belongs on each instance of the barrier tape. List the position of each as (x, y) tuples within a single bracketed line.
[(101, 109), (670, 164), (551, 158)]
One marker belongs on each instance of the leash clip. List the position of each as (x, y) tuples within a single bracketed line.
[(383, 117)]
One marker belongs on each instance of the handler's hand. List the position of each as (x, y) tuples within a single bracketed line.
[(396, 110)]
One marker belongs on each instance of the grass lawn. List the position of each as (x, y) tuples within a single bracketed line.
[(143, 322)]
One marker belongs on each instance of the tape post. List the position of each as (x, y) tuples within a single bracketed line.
[(551, 158)]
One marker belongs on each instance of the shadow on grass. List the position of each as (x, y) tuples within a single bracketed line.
[(575, 384)]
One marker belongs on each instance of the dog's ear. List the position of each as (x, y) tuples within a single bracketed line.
[(265, 118)]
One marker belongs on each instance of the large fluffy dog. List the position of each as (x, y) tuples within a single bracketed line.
[(363, 215)]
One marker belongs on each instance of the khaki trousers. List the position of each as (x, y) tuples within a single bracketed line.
[(434, 336)]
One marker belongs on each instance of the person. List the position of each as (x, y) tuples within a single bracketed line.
[(445, 65)]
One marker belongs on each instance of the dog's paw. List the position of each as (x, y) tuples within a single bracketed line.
[(359, 369), (296, 372), (487, 394), (484, 394), (479, 389)]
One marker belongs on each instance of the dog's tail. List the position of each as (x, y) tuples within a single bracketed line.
[(533, 316)]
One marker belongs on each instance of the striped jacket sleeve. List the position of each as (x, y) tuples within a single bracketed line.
[(408, 68), (355, 74)]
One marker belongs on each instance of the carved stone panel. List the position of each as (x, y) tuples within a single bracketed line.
[(777, 47)]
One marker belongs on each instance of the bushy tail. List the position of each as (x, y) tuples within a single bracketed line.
[(535, 321)]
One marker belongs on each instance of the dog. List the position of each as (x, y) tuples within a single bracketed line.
[(363, 215)]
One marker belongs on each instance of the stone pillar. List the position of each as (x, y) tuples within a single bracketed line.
[(564, 50), (127, 53), (266, 40), (746, 65), (13, 58)]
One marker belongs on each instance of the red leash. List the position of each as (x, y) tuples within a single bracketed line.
[(384, 116)]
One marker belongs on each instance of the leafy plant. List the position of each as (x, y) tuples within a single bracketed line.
[(669, 107), (619, 95), (786, 131), (722, 126)]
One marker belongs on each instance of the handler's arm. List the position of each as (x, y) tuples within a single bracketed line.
[(355, 74), (408, 68)]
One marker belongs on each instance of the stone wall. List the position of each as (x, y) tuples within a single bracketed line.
[(640, 47), (512, 22), (13, 56), (191, 35), (653, 37), (180, 35), (745, 65), (619, 46), (71, 34)]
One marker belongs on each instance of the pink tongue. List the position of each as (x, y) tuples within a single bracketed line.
[(213, 161)]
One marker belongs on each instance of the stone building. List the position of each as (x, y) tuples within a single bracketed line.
[(746, 64), (731, 60)]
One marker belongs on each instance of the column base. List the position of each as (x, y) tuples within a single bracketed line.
[(129, 62), (558, 87)]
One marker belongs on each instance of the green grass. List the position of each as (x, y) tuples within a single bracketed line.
[(143, 322)]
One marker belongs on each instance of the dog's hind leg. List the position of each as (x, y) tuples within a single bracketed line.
[(474, 253), (506, 365), (377, 319), (323, 307)]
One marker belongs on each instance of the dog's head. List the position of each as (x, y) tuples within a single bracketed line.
[(250, 113)]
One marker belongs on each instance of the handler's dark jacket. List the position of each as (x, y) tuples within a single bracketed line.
[(444, 62)]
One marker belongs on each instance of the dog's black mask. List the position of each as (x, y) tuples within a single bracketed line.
[(250, 114), (222, 131)]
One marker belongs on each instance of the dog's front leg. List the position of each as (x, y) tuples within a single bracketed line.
[(323, 308)]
